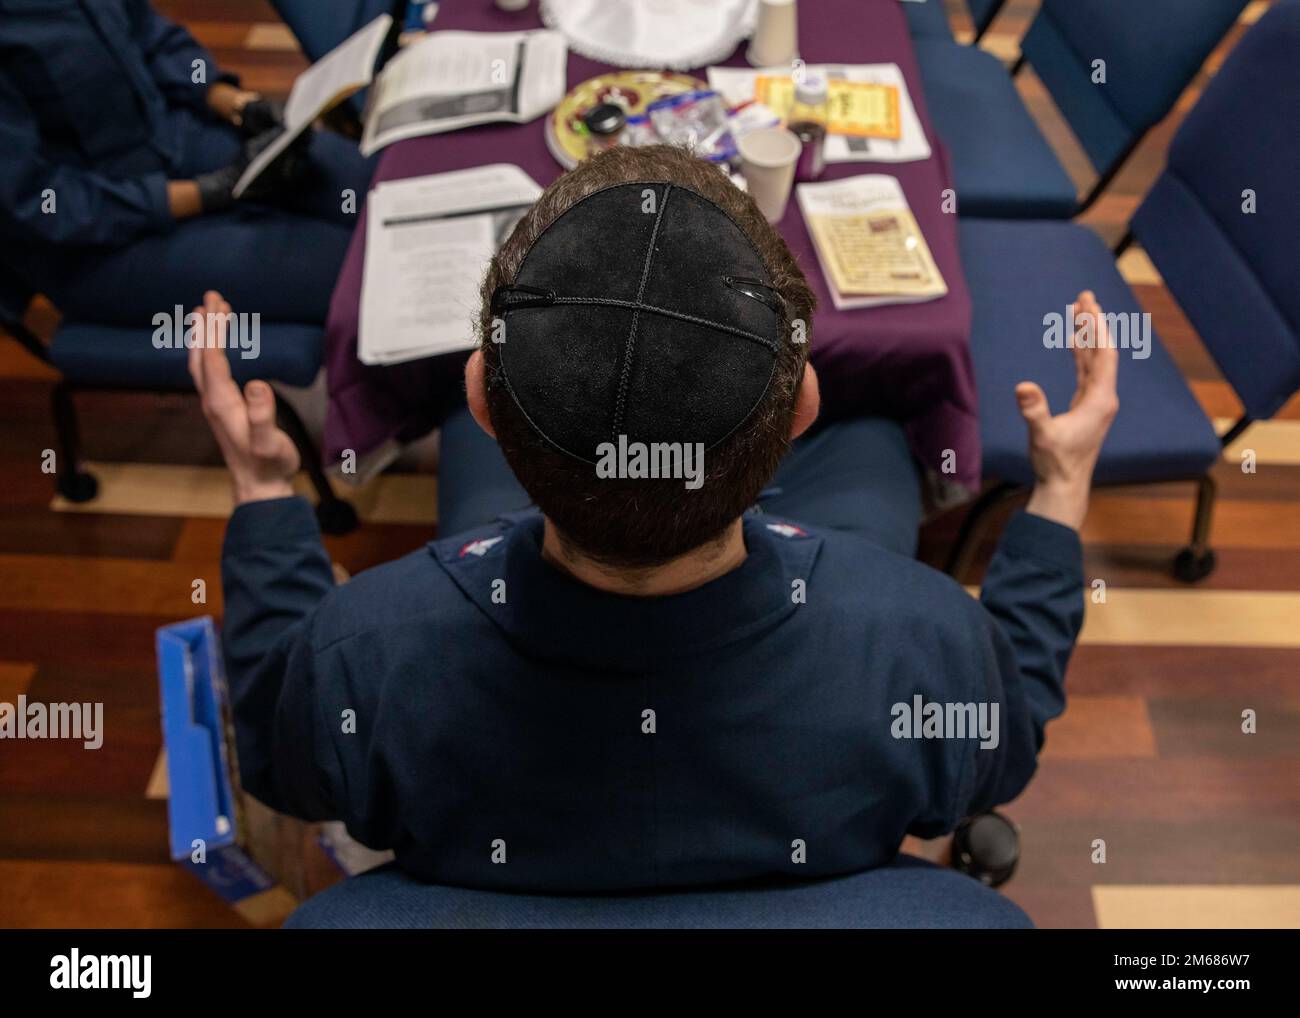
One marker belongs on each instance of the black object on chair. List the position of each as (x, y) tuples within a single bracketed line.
[(986, 847)]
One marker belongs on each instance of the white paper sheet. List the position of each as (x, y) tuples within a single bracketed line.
[(449, 80), (428, 243), (346, 69), (736, 85)]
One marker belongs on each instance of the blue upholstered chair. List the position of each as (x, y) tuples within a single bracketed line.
[(927, 19), (1234, 273), (319, 27), (90, 356), (1004, 167), (910, 894)]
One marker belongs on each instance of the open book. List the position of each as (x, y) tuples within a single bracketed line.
[(871, 249), (449, 80), (346, 69)]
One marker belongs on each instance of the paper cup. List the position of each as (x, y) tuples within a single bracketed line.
[(775, 41), (768, 157)]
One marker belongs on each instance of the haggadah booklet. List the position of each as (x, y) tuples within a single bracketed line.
[(871, 250)]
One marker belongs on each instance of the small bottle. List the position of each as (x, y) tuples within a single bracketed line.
[(807, 120)]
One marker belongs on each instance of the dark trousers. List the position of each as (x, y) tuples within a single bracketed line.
[(279, 261), (855, 475)]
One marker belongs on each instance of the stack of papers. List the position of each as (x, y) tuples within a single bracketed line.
[(428, 244), (738, 85), (449, 80), (871, 249)]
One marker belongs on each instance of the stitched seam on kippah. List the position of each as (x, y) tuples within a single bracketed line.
[(682, 316), (630, 347)]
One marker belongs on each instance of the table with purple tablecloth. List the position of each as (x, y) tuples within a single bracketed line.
[(909, 362)]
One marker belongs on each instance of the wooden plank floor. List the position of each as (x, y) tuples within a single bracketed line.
[(1199, 821)]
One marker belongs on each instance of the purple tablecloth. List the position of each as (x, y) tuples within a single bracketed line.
[(908, 362)]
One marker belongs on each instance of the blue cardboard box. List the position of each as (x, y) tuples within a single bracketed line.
[(202, 804)]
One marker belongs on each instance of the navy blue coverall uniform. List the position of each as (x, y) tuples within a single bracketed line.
[(99, 108), (484, 715)]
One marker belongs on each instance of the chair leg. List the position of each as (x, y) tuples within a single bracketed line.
[(1197, 560), (975, 526), (335, 515), (73, 483)]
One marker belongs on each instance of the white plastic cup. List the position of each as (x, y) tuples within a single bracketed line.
[(768, 157), (775, 41)]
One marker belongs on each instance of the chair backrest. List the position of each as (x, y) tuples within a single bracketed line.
[(319, 27), (1151, 50), (1222, 221), (909, 894), (982, 12)]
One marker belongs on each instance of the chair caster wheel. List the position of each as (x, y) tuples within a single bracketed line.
[(336, 517), (1190, 567), (986, 847), (79, 486)]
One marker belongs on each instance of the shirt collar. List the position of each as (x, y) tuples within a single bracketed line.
[(551, 615)]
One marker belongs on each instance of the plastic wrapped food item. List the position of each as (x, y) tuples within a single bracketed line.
[(639, 131), (696, 121), (751, 116)]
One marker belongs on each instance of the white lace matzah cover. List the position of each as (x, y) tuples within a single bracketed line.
[(672, 34)]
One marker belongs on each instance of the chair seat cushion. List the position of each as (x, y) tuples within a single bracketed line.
[(1002, 164), (909, 894), (927, 19), (1020, 272), (109, 356)]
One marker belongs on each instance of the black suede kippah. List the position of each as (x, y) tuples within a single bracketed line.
[(643, 311)]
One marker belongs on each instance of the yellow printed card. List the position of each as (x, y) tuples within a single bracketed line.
[(857, 108)]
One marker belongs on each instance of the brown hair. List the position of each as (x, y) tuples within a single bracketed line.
[(631, 523)]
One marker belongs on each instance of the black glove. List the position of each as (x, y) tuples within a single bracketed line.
[(286, 170), (261, 115), (215, 188)]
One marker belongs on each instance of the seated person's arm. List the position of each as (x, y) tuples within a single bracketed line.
[(182, 69), (1033, 588), (274, 572), (54, 203)]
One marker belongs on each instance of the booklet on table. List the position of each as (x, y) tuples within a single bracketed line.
[(871, 249)]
